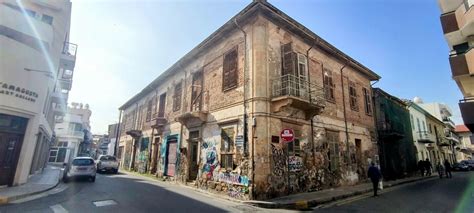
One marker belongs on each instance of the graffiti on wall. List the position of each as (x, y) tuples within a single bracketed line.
[(238, 192), (233, 178), (279, 160), (209, 157), (295, 163)]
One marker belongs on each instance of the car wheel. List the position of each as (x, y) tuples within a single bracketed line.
[(115, 171), (93, 179)]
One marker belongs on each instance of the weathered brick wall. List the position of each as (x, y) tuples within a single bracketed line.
[(312, 163)]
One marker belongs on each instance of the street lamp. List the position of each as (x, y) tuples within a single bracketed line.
[(47, 73)]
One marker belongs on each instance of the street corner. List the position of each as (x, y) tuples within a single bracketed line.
[(3, 200), (301, 205)]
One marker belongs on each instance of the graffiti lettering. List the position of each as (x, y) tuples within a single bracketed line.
[(279, 160), (233, 179), (295, 164)]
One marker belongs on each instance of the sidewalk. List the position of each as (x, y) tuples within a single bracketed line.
[(312, 199), (36, 184)]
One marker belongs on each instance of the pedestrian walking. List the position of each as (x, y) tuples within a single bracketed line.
[(440, 169), (428, 167), (447, 169), (375, 176), (421, 167)]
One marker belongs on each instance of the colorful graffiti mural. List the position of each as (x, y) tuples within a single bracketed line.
[(209, 157), (233, 178)]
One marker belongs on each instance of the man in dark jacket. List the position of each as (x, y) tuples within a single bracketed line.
[(428, 167), (374, 175), (421, 167), (447, 168)]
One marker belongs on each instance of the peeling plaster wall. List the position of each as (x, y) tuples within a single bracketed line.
[(314, 173)]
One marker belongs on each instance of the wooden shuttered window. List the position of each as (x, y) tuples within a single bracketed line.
[(353, 96), (230, 74), (149, 110), (288, 59), (329, 86), (368, 101), (177, 97), (227, 148)]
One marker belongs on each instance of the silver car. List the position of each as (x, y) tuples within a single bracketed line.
[(107, 163), (80, 167)]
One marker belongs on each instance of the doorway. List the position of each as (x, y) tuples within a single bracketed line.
[(171, 153), (193, 154), (12, 129)]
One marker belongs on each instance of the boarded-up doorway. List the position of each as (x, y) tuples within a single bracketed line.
[(171, 153)]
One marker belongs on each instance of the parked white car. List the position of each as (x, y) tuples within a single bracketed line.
[(107, 163), (80, 167)]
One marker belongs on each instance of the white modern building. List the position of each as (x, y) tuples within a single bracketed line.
[(71, 131), (36, 69), (466, 147)]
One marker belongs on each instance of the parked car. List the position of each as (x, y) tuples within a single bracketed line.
[(107, 163), (80, 167), (460, 167), (469, 163)]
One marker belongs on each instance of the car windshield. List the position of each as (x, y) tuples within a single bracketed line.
[(82, 162), (107, 158)]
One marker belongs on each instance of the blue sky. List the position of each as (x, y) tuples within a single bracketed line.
[(125, 44)]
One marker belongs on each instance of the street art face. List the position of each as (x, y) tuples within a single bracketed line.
[(210, 159)]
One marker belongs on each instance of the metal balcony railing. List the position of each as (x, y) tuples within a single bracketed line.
[(70, 49), (299, 87), (426, 137)]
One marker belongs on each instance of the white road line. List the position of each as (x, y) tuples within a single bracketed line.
[(58, 209)]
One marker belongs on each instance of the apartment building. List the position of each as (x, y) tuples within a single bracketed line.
[(457, 21), (466, 149), (214, 118), (37, 64), (72, 131)]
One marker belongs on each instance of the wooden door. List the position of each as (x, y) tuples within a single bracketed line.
[(172, 147), (10, 146), (193, 154)]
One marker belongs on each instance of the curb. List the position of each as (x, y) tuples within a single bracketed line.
[(306, 204), (5, 200), (210, 194)]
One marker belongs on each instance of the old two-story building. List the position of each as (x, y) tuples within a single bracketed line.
[(397, 150), (214, 117)]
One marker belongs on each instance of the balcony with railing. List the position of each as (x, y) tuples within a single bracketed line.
[(458, 23), (198, 111), (298, 93), (426, 137), (467, 110), (68, 56), (390, 130), (59, 109), (462, 64)]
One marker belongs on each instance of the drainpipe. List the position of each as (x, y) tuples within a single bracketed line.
[(309, 92), (134, 147), (117, 133), (245, 110), (345, 115)]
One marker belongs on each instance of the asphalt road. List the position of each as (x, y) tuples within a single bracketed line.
[(125, 193), (434, 195)]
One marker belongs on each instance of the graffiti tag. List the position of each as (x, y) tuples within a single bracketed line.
[(295, 163), (279, 160), (233, 179)]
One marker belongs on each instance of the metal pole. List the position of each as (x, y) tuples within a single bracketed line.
[(288, 164)]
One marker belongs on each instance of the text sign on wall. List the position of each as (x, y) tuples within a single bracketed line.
[(287, 135), (17, 92)]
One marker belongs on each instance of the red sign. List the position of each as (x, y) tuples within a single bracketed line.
[(287, 135)]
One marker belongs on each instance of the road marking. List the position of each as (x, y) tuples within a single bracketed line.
[(58, 209), (104, 203)]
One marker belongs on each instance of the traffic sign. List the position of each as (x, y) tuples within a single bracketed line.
[(287, 135)]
